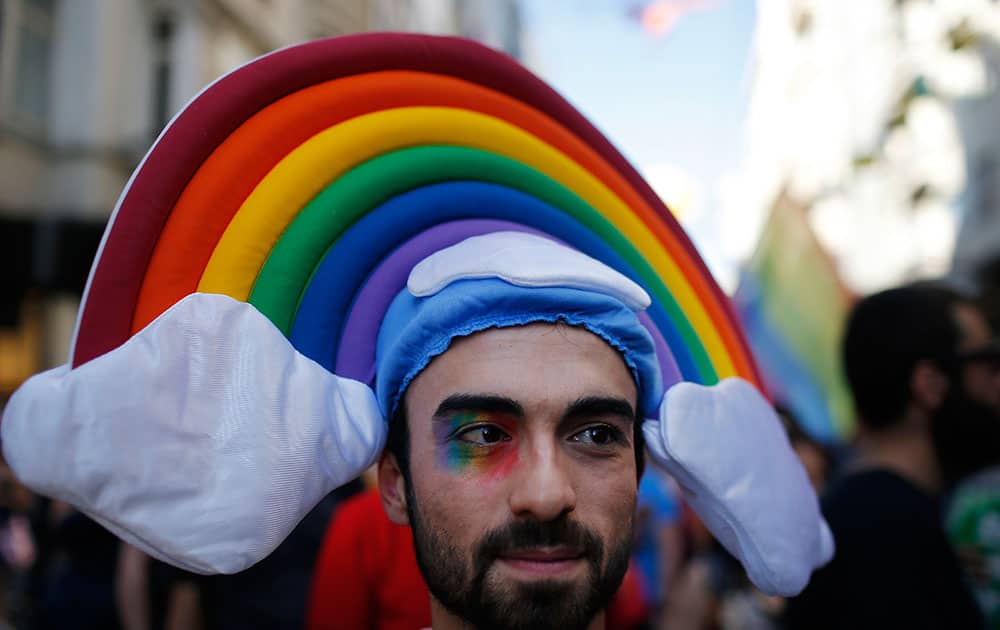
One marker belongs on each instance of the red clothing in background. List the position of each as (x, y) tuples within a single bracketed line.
[(366, 575)]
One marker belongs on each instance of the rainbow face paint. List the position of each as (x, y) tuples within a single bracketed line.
[(477, 442)]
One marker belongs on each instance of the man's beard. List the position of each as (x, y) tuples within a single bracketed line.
[(966, 436), (478, 598)]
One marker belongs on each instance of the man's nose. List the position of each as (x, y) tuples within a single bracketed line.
[(543, 486)]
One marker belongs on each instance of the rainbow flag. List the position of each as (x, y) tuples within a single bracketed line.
[(793, 307)]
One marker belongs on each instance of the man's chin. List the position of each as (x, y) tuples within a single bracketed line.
[(524, 599)]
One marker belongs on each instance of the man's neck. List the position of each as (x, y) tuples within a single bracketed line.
[(905, 449), (443, 619)]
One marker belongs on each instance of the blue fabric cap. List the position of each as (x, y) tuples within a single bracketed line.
[(415, 330)]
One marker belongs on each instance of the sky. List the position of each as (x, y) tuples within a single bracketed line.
[(674, 103)]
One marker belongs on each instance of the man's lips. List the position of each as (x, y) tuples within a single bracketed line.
[(542, 560)]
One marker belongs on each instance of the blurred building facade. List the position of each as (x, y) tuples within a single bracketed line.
[(977, 114), (85, 88), (877, 119), (878, 116)]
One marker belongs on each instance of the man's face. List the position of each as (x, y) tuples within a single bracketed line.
[(980, 378), (966, 424), (523, 475)]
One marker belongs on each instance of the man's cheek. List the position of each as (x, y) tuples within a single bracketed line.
[(612, 479), (615, 506), (493, 463)]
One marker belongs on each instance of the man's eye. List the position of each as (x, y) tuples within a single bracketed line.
[(483, 435), (600, 435)]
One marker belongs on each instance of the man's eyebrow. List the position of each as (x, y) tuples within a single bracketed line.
[(592, 406), (479, 402)]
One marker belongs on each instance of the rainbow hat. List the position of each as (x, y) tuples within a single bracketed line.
[(229, 329), (311, 180)]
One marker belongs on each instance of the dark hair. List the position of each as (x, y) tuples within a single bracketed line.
[(793, 427), (799, 436), (887, 334), (398, 443)]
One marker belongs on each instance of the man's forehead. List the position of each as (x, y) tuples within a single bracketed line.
[(539, 362), (513, 339), (536, 347)]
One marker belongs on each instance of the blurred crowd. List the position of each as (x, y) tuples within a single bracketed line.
[(913, 502)]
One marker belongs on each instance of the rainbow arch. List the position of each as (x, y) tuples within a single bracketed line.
[(309, 181)]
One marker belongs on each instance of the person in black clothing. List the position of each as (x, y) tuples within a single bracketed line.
[(903, 354)]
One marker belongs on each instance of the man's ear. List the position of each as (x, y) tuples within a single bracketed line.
[(928, 385), (392, 488)]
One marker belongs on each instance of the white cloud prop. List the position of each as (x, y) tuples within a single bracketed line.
[(729, 453), (192, 444)]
